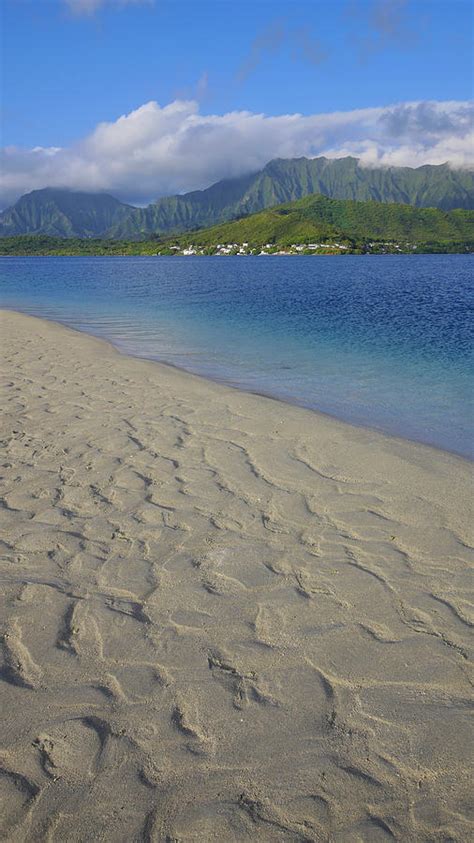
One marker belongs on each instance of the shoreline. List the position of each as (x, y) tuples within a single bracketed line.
[(228, 384), (196, 582), (85, 254)]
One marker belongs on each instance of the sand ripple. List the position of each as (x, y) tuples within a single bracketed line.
[(223, 618)]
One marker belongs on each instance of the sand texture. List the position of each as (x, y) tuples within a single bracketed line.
[(223, 618)]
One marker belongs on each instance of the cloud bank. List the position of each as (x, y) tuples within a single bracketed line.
[(155, 151)]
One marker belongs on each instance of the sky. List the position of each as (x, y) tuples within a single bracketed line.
[(142, 98)]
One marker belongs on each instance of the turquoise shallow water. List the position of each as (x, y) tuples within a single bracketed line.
[(383, 341)]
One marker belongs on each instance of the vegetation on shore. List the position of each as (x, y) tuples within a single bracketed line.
[(44, 245), (314, 225)]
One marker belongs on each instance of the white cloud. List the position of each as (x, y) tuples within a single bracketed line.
[(154, 151)]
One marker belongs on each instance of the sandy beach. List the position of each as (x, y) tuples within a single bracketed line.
[(223, 618)]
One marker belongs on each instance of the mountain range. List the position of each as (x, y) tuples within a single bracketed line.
[(323, 224), (65, 213)]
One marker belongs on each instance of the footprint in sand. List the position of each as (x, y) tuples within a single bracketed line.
[(17, 794), (72, 749)]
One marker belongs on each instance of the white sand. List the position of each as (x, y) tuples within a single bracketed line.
[(224, 618)]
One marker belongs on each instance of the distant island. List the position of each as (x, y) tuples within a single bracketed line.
[(313, 225)]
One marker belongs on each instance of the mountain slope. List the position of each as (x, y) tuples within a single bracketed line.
[(318, 218), (284, 180), (182, 213), (63, 213), (344, 178), (67, 214)]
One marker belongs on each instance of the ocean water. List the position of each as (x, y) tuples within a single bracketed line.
[(382, 341)]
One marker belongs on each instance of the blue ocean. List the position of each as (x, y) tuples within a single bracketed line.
[(382, 341)]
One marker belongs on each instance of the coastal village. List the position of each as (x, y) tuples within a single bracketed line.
[(244, 249)]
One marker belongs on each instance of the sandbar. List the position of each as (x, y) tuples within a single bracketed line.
[(223, 618)]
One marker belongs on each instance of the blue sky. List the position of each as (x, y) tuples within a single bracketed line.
[(70, 65)]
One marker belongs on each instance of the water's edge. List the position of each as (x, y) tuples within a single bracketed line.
[(228, 384), (386, 348)]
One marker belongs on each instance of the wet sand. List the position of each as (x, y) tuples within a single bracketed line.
[(223, 618)]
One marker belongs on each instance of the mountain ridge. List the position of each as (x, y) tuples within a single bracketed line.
[(66, 213), (62, 212)]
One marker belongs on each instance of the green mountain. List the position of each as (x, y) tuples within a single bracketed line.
[(67, 214), (63, 213), (284, 180), (318, 219), (332, 224)]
